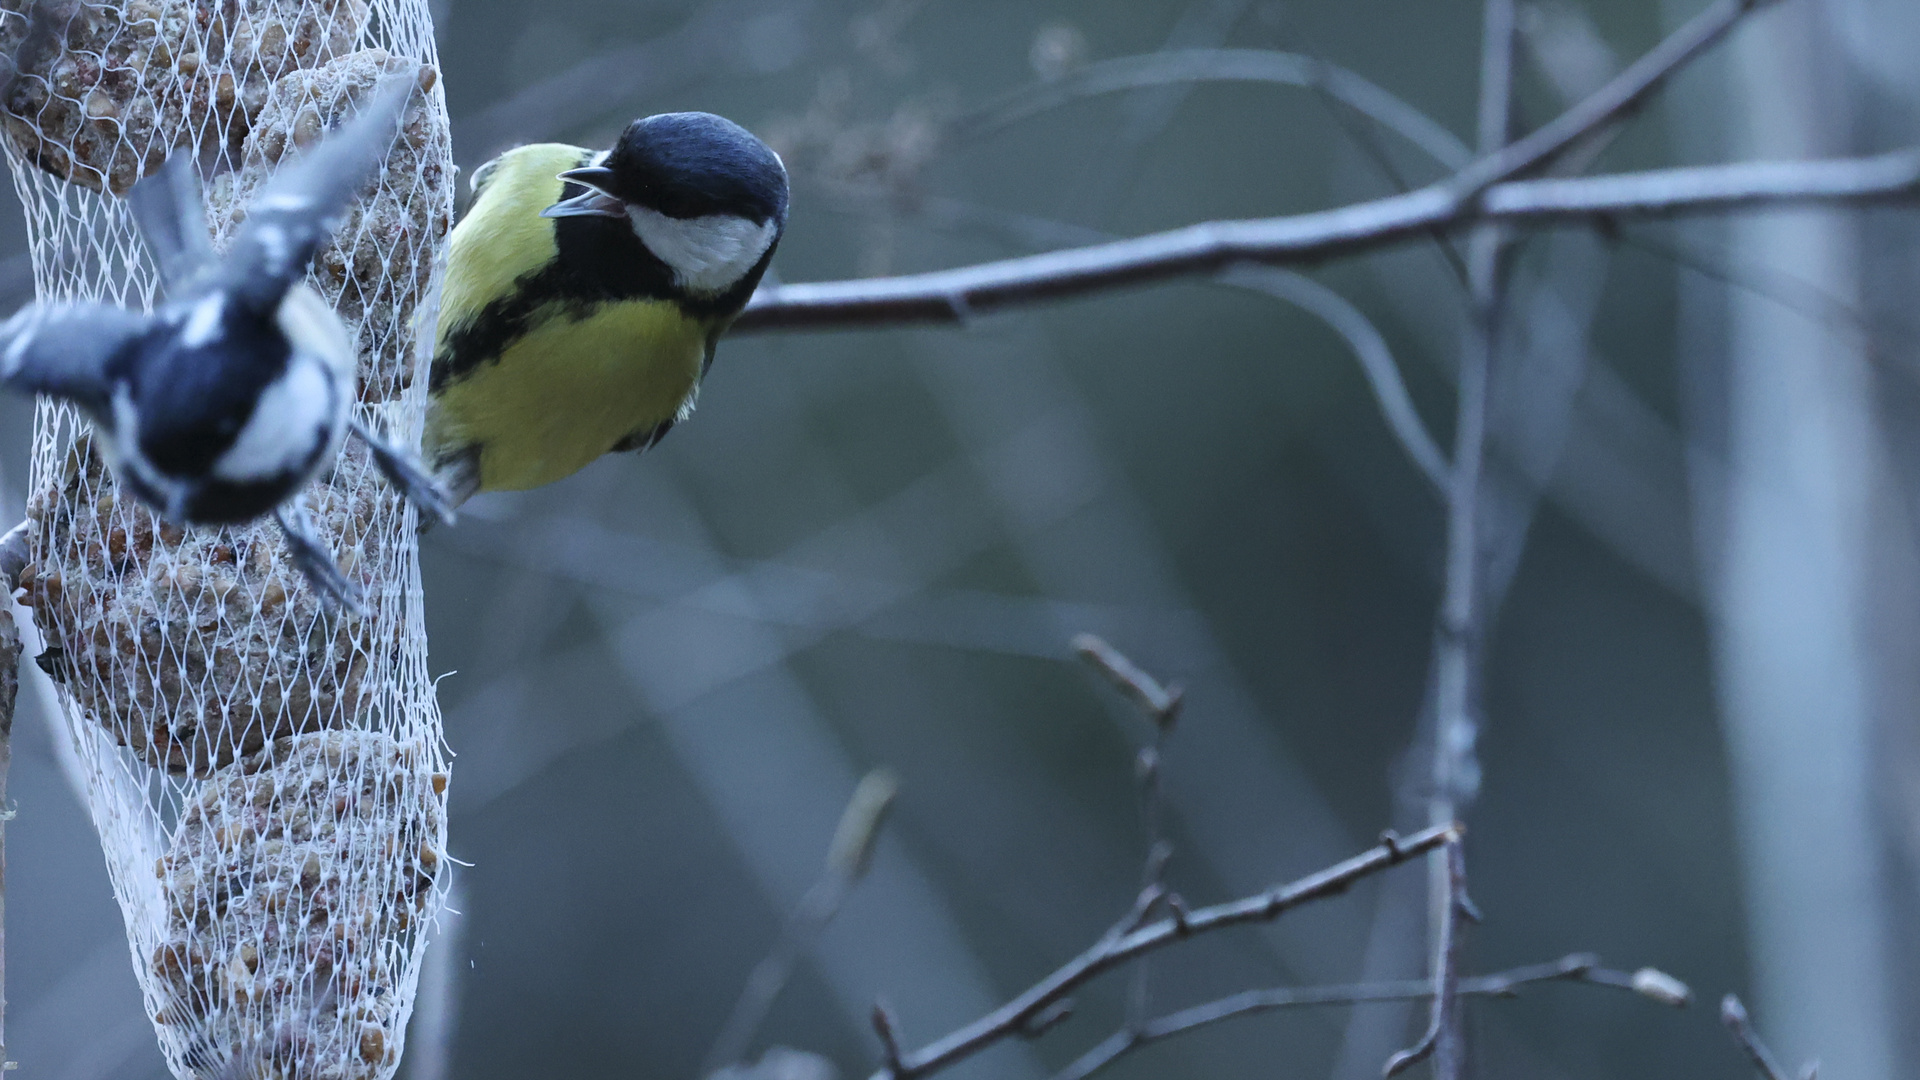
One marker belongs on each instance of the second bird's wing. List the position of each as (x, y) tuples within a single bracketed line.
[(173, 221), (66, 351), (296, 212)]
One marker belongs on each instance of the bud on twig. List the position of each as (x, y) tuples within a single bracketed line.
[(1160, 703), (859, 830), (1662, 987)]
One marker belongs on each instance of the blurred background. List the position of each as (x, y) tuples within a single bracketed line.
[(665, 675)]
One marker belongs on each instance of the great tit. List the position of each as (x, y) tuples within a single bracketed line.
[(221, 404), (585, 292)]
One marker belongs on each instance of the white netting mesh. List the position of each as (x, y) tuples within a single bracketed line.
[(268, 779)]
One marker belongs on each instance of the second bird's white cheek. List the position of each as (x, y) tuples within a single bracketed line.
[(708, 254), (297, 414)]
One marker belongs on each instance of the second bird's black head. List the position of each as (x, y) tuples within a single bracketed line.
[(704, 197), (684, 165)]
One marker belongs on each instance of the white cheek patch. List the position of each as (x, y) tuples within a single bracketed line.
[(204, 324), (311, 327), (708, 254), (293, 415)]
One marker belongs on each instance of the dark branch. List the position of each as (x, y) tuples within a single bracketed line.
[(952, 296), (1577, 968), (1128, 939)]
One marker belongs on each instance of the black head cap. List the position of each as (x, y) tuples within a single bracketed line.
[(691, 164)]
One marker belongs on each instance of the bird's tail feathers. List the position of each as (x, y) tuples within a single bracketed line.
[(173, 221)]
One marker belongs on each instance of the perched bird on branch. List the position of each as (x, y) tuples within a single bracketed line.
[(221, 404), (585, 293)]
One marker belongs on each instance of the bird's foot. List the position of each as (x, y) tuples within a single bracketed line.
[(405, 473), (314, 561)]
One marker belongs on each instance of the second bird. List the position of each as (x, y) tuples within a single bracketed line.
[(585, 293)]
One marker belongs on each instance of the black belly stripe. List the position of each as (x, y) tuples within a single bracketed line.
[(599, 261)]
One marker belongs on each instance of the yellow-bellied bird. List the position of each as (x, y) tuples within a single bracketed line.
[(585, 292)]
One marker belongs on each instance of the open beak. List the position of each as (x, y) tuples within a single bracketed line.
[(594, 202)]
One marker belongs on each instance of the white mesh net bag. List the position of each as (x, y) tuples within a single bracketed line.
[(267, 778)]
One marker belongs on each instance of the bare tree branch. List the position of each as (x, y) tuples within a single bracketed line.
[(954, 296), (1576, 968), (1442, 1039), (1661, 192), (848, 859), (1042, 1004)]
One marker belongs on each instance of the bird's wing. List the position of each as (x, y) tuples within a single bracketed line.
[(172, 220), (66, 351), (306, 200)]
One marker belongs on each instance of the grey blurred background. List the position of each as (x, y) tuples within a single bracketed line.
[(666, 674)]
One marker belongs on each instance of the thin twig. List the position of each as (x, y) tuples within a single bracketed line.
[(1127, 940), (1442, 1041), (1368, 347), (1159, 704), (1576, 968), (848, 858), (1734, 1015)]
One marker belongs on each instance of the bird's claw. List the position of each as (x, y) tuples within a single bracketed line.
[(314, 561), (406, 474)]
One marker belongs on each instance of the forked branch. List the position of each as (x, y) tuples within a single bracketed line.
[(1044, 1003)]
